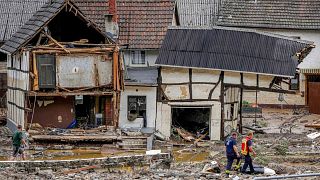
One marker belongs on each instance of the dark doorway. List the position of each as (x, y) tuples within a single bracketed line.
[(83, 114), (192, 119)]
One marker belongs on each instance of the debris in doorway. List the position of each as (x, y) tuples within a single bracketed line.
[(185, 134)]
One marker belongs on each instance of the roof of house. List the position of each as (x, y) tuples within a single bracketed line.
[(141, 76), (143, 24), (95, 10), (197, 12), (14, 13), (42, 17), (230, 49), (284, 14)]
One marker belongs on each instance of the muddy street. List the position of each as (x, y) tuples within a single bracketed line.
[(285, 153)]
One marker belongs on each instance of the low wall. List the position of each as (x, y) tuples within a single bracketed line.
[(55, 165)]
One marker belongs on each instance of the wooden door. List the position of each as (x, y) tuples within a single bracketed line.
[(314, 97)]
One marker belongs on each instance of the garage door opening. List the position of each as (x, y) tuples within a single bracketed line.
[(193, 119)]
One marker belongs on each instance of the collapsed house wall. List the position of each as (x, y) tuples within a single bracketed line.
[(135, 91), (180, 91), (83, 70), (197, 88), (52, 111)]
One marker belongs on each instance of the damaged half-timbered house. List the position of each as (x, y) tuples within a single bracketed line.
[(62, 70), (292, 18), (13, 15), (203, 73)]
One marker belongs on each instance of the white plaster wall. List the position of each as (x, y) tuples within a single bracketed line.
[(174, 75), (163, 121), (150, 93), (215, 121), (202, 75), (232, 78), (177, 91), (151, 57), (164, 117), (201, 91)]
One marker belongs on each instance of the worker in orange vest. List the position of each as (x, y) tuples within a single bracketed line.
[(246, 149)]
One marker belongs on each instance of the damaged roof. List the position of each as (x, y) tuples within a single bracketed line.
[(230, 50), (141, 76), (14, 13), (95, 10), (284, 14), (35, 24), (197, 12), (143, 24)]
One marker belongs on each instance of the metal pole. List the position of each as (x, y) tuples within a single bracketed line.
[(287, 176), (255, 110)]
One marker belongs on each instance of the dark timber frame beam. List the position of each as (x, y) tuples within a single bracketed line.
[(260, 88), (221, 79)]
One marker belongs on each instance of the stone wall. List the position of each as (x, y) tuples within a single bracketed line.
[(55, 165)]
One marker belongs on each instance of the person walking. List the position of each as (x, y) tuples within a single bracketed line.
[(246, 149), (18, 142), (232, 152)]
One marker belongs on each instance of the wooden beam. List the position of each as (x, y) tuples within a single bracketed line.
[(56, 42), (35, 72), (190, 82), (241, 99), (222, 105), (260, 88), (216, 85)]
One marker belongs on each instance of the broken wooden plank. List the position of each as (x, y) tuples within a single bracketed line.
[(56, 42), (316, 126), (185, 134), (254, 129)]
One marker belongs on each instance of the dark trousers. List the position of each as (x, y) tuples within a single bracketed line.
[(247, 162), (230, 159)]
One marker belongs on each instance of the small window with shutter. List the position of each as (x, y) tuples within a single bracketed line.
[(46, 71)]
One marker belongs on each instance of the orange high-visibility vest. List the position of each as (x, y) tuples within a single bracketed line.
[(244, 146)]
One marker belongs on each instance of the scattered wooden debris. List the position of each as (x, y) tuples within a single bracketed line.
[(316, 126), (185, 134), (259, 131)]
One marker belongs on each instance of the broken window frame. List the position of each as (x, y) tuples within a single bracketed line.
[(140, 107), (294, 85), (138, 57)]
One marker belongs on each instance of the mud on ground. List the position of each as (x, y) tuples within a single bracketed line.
[(286, 153)]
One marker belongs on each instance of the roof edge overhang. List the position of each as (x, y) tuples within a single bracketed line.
[(240, 29), (66, 3), (227, 70)]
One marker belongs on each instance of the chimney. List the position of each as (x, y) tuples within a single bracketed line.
[(111, 24)]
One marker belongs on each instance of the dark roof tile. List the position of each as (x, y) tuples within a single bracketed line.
[(230, 49), (14, 13), (285, 14)]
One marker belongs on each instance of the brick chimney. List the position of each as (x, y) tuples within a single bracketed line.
[(111, 24)]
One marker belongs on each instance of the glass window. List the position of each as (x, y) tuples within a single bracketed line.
[(136, 106), (138, 57)]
